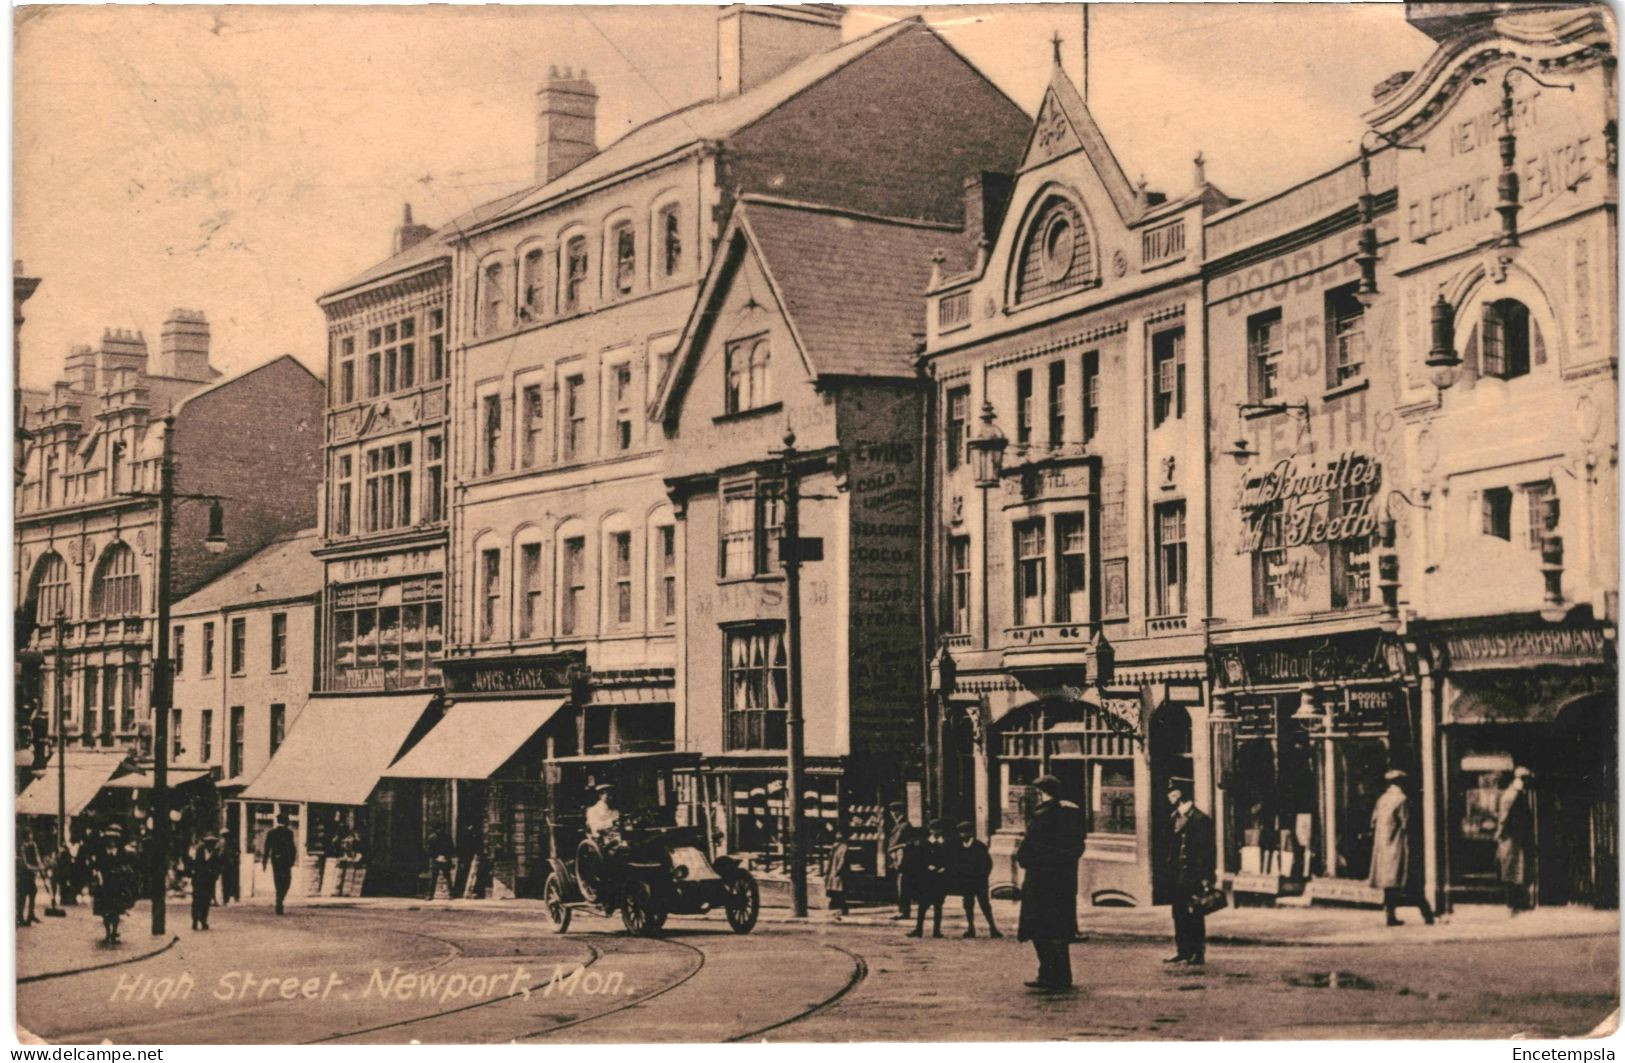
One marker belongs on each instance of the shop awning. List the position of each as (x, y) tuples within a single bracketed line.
[(87, 773), (337, 748), (475, 739), (139, 781)]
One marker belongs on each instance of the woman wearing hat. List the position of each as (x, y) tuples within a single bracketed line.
[(1515, 840), (1049, 854), (113, 882), (203, 867), (1392, 870)]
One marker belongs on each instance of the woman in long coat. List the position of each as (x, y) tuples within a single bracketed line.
[(114, 885), (1391, 867), (1514, 840)]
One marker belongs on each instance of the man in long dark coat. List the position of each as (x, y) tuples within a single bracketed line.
[(203, 866), (281, 851), (1392, 869), (1515, 840), (903, 844), (1192, 862), (1049, 854)]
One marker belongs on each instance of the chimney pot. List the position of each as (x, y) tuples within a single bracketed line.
[(408, 234), (566, 124)]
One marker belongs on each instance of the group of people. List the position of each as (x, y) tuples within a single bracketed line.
[(932, 865)]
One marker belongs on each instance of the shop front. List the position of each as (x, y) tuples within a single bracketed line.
[(1304, 731), (1520, 693)]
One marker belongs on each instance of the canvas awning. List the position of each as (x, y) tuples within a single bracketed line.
[(86, 774), (337, 748), (141, 781), (475, 739)]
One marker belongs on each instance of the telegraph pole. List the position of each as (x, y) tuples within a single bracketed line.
[(790, 550), (61, 735), (159, 869)]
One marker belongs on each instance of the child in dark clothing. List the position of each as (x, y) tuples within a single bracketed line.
[(973, 866), (931, 883)]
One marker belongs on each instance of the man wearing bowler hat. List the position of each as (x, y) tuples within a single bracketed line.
[(1049, 854), (1191, 863)]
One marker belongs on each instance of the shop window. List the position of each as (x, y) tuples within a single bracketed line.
[(1264, 355), (1024, 407), (1030, 566), (531, 427), (490, 593), (387, 636), (1091, 395), (1087, 750), (1345, 337), (491, 408), (752, 520), (748, 381), (957, 440), (208, 648), (1167, 376), (116, 590), (1171, 576), (757, 692), (530, 590), (1505, 343), (1496, 516), (1538, 498), (959, 566), (1071, 568), (1057, 403)]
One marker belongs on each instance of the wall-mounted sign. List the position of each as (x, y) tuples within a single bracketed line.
[(383, 566), (1527, 646), (556, 673), (1357, 655), (1305, 500)]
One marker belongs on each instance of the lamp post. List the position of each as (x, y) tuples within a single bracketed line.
[(61, 735), (215, 543), (987, 455), (790, 552)]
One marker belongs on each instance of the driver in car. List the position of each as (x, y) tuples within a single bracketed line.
[(604, 830)]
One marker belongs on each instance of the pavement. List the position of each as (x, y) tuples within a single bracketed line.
[(54, 948)]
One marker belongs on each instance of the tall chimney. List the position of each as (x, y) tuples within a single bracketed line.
[(121, 348), (408, 234), (81, 368), (566, 124), (758, 41), (986, 195), (183, 346)]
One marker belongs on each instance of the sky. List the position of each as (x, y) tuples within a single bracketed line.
[(241, 160)]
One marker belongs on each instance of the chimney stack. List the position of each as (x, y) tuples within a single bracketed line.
[(81, 369), (122, 348), (183, 346), (566, 123), (987, 194), (407, 234), (756, 42)]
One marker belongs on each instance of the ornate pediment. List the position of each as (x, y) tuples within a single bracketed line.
[(1053, 134)]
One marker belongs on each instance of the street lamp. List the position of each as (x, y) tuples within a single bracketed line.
[(1507, 244), (1442, 358), (1367, 257)]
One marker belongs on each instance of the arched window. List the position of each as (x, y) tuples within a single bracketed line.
[(575, 273), (530, 285), (670, 234), (661, 551), (491, 299), (618, 573), (574, 606), (117, 588), (1057, 253), (50, 590), (1506, 342), (488, 580)]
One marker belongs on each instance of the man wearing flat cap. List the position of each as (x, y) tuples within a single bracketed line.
[(1515, 840), (1392, 869), (1049, 854), (1192, 860)]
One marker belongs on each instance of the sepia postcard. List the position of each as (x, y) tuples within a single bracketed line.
[(815, 523)]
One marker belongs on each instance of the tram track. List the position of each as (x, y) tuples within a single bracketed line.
[(860, 971)]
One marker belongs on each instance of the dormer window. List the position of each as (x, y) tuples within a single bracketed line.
[(1057, 253)]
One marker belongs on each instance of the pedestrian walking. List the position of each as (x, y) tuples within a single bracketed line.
[(1392, 869), (835, 870), (440, 862), (931, 880), (903, 842), (1048, 854), (1515, 840), (1192, 869), (231, 879), (280, 852), (113, 882), (203, 868), (29, 866), (971, 866)]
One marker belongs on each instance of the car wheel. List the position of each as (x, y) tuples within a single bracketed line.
[(744, 903), (638, 913), (558, 912)]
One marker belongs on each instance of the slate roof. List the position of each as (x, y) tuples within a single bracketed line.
[(852, 285), (283, 570)]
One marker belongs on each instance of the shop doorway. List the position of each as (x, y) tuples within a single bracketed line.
[(1170, 752), (1580, 845)]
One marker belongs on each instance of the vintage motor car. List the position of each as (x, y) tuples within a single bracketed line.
[(649, 867)]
